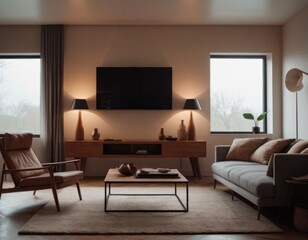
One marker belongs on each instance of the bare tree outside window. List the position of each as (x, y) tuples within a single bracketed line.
[(237, 86), (20, 94)]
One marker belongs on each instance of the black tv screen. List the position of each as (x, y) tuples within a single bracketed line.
[(134, 88)]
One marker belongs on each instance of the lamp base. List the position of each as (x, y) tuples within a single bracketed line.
[(191, 130), (79, 134)]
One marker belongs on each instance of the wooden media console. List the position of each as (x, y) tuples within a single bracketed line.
[(84, 149)]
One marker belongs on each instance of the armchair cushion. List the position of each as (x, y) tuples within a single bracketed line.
[(23, 159), (44, 179), (13, 142)]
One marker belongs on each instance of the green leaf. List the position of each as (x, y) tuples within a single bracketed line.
[(248, 116), (261, 116)]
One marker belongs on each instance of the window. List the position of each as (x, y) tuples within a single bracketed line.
[(20, 94), (238, 85)]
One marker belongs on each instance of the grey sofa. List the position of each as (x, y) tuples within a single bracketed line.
[(250, 180)]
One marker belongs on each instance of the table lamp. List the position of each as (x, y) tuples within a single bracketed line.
[(79, 104), (191, 104)]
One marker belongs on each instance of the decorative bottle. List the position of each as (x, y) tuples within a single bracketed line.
[(161, 135), (95, 134), (182, 133)]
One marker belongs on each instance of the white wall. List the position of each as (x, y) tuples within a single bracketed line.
[(186, 49), (295, 55)]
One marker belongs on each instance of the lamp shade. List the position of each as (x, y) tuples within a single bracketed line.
[(192, 104), (79, 104), (294, 80)]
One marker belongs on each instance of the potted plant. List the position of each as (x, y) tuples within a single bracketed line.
[(249, 116)]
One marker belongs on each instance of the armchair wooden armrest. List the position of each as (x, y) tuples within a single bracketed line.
[(25, 169), (54, 164)]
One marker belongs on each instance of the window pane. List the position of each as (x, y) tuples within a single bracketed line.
[(20, 95), (237, 86)]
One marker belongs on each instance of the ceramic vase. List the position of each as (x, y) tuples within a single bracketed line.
[(182, 133), (127, 169), (161, 135), (95, 134)]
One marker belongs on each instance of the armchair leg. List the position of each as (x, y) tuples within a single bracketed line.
[(55, 196), (34, 192), (232, 195), (54, 189), (78, 189), (2, 179), (215, 183), (259, 212)]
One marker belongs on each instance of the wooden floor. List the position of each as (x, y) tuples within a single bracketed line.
[(17, 208)]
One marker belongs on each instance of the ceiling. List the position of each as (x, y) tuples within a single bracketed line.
[(149, 12)]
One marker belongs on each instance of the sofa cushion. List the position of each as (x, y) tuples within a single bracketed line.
[(242, 148), (264, 152), (224, 168), (299, 146), (305, 150), (251, 176)]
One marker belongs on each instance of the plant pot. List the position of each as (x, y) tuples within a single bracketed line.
[(256, 130)]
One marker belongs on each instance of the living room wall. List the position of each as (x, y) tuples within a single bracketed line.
[(185, 48), (295, 55)]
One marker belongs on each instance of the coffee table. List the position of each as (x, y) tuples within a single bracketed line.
[(114, 177)]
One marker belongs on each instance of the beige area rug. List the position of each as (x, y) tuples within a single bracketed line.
[(210, 211)]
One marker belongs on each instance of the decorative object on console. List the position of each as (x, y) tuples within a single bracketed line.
[(191, 104), (161, 135), (249, 116), (182, 133), (127, 169), (79, 104), (170, 138), (294, 83), (95, 134)]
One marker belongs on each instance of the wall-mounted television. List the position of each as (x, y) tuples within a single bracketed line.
[(134, 88)]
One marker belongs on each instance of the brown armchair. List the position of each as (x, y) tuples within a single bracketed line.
[(28, 173)]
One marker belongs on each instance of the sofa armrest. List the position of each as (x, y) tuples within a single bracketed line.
[(221, 152), (285, 166)]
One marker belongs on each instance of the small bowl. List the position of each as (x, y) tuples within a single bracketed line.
[(170, 138)]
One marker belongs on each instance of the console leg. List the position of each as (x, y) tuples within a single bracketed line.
[(194, 161), (83, 163), (259, 212)]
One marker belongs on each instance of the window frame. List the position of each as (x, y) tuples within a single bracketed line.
[(264, 74), (22, 56)]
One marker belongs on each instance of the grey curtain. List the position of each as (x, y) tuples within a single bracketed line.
[(52, 61)]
